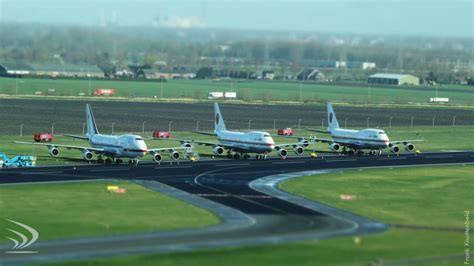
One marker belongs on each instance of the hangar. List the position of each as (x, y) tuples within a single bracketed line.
[(393, 79)]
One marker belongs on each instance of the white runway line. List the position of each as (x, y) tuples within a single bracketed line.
[(111, 169), (171, 167), (42, 172), (230, 164), (287, 162)]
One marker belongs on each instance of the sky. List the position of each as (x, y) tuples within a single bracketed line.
[(401, 17)]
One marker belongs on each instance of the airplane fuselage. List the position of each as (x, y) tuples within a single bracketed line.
[(248, 142), (124, 146), (361, 139)]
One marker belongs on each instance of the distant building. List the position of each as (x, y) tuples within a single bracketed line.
[(15, 69), (67, 70), (393, 79), (310, 74)]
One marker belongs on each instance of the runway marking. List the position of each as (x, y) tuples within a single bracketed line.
[(439, 156), (287, 162), (347, 160), (171, 167), (393, 158), (42, 172), (231, 164), (232, 195), (110, 169)]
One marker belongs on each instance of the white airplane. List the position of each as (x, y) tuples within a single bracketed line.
[(112, 147), (243, 143), (358, 140)]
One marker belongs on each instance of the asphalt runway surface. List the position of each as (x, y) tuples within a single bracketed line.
[(261, 217), (69, 116)]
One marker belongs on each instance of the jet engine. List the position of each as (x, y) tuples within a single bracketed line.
[(53, 151), (303, 142), (157, 158), (409, 147), (283, 153), (186, 145), (174, 155), (335, 147), (218, 150), (298, 150), (395, 149), (87, 155)]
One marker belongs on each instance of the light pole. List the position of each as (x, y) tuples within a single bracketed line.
[(390, 122), (52, 128), (197, 125), (250, 121), (411, 124), (345, 122), (113, 124), (83, 128), (274, 123), (454, 121), (143, 127), (368, 118), (301, 92), (16, 86), (299, 123), (161, 89), (21, 130), (169, 126)]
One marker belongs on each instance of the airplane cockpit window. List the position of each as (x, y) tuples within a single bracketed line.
[(139, 139)]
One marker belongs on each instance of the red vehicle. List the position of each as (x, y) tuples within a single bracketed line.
[(43, 137), (285, 132), (104, 92), (161, 134)]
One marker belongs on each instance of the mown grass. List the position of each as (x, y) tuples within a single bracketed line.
[(81, 209), (247, 89), (424, 196)]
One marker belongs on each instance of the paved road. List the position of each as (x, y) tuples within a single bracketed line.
[(255, 217)]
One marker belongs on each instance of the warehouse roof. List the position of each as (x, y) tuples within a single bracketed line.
[(390, 76)]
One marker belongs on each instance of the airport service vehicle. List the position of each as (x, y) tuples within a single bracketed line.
[(221, 95), (439, 100), (43, 137), (113, 147), (285, 132), (356, 141), (161, 134), (104, 92), (243, 143), (17, 161)]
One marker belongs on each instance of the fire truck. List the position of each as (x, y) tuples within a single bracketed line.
[(285, 132), (43, 137), (161, 134)]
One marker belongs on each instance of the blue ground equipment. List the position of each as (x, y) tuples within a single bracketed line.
[(17, 161)]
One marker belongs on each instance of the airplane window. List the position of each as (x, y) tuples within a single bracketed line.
[(266, 136)]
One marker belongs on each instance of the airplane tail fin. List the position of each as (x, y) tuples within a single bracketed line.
[(219, 124), (91, 125), (332, 120)]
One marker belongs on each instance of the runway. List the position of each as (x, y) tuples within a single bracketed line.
[(254, 212)]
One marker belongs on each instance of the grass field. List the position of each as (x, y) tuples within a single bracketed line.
[(438, 138), (422, 196), (80, 209), (246, 89)]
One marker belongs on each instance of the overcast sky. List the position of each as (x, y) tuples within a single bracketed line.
[(416, 17)]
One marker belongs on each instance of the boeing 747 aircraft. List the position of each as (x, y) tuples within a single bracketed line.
[(374, 140), (243, 143), (112, 147)]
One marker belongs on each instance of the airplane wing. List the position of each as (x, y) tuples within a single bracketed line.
[(317, 130), (404, 142), (69, 147), (171, 149), (75, 136), (205, 133)]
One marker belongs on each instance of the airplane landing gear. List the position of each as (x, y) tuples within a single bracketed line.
[(236, 156), (100, 159), (133, 161)]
